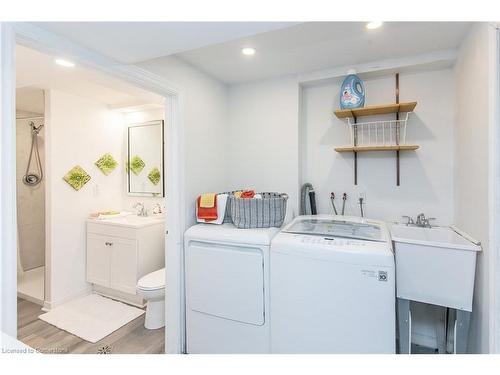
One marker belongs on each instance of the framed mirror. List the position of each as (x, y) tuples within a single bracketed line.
[(145, 153)]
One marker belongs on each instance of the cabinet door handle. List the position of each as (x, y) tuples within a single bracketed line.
[(108, 243)]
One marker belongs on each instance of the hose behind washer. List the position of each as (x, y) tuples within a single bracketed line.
[(312, 200), (304, 195)]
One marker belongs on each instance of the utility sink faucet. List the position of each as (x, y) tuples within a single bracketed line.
[(409, 220), (421, 221), (141, 210)]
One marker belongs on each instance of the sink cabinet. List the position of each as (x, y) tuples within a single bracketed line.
[(118, 256)]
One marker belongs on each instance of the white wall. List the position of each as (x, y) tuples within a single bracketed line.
[(263, 129), (472, 167), (426, 174), (204, 127), (203, 143), (78, 132)]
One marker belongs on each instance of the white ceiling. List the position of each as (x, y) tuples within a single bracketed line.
[(132, 42), (282, 48), (319, 45), (38, 70)]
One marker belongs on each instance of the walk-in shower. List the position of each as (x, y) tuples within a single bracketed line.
[(30, 161)]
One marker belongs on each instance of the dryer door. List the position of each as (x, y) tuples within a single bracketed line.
[(226, 281)]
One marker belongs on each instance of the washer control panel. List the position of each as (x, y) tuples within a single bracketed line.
[(331, 241)]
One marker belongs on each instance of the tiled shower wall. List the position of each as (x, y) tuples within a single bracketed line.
[(30, 200)]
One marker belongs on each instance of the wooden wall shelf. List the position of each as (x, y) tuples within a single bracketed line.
[(377, 148), (373, 110)]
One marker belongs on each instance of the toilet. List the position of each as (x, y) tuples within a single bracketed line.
[(152, 288)]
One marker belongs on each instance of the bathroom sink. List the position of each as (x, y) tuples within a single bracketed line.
[(134, 221), (434, 265)]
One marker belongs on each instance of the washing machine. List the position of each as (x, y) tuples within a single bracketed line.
[(333, 287), (227, 289)]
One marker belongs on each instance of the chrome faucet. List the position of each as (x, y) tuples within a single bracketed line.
[(423, 221), (141, 210), (420, 220), (157, 208), (409, 220)]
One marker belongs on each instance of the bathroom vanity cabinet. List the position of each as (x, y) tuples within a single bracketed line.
[(120, 251)]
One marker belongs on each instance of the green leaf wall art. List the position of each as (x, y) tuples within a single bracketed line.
[(77, 177), (136, 165), (106, 164), (154, 176)]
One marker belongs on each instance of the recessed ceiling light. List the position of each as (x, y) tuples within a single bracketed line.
[(248, 51), (373, 25), (65, 63)]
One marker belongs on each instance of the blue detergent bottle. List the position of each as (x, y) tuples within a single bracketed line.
[(352, 92)]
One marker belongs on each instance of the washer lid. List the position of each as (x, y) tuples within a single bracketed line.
[(153, 280), (336, 226), (230, 234)]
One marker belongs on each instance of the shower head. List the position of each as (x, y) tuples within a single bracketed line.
[(35, 129)]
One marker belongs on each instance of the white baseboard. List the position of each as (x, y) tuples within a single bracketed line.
[(29, 298), (131, 299), (48, 305)]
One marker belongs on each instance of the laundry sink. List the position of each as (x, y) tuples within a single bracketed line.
[(434, 265)]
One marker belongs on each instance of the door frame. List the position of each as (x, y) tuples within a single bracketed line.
[(494, 188), (44, 41)]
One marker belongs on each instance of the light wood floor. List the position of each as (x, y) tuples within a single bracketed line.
[(132, 338)]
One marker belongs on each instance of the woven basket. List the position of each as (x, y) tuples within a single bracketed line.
[(268, 211), (227, 213)]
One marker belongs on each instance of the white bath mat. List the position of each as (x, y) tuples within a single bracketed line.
[(92, 317)]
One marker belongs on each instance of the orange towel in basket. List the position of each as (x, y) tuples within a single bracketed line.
[(248, 194), (207, 213)]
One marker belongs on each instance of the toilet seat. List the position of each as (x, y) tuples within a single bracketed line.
[(152, 281)]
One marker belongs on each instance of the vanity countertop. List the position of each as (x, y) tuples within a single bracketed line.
[(131, 221)]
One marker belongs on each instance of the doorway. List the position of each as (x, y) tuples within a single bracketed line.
[(30, 36), (30, 187)]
